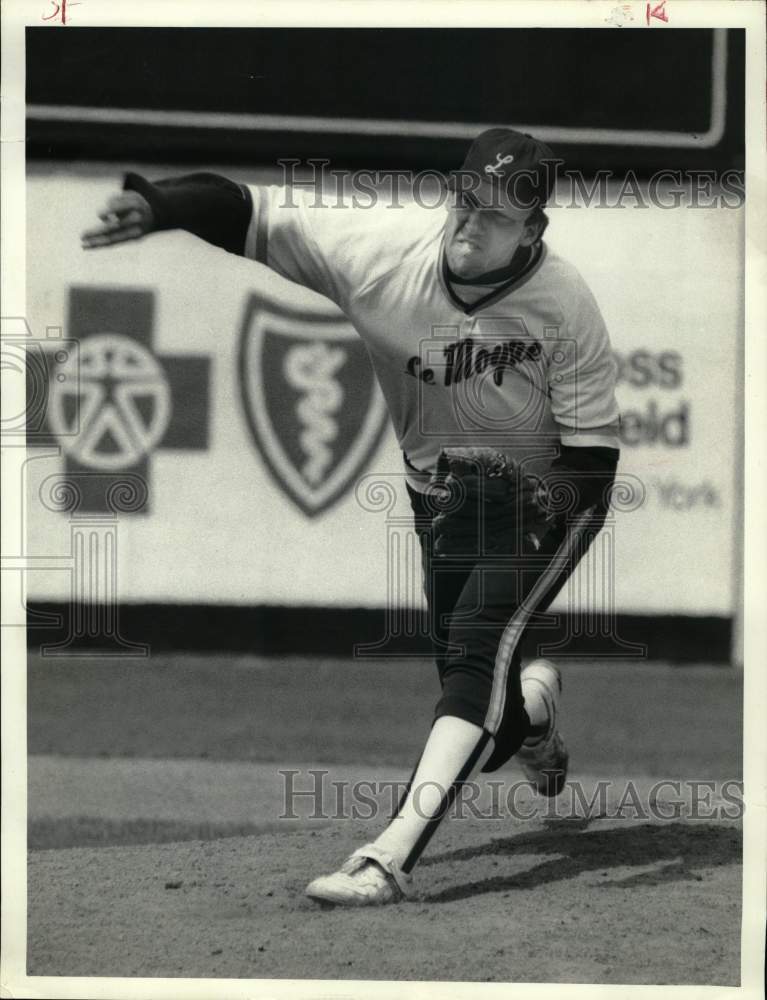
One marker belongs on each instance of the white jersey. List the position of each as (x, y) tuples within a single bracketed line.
[(521, 370)]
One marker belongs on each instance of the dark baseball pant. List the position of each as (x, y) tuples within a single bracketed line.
[(479, 609)]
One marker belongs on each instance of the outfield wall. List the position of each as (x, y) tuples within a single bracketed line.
[(242, 509)]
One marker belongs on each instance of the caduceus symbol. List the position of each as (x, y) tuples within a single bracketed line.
[(311, 369)]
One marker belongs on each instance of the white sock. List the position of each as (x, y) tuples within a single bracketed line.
[(535, 704), (448, 748)]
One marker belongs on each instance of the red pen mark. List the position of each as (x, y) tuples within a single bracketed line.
[(60, 10), (659, 11)]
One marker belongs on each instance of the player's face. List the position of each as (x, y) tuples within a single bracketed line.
[(479, 239)]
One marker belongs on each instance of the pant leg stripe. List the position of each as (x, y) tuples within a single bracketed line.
[(521, 616), (447, 799)]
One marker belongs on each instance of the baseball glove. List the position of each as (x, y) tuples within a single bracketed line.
[(486, 505)]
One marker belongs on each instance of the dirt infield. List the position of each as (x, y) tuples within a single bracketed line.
[(199, 876), (557, 901)]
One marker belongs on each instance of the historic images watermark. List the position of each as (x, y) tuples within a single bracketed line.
[(664, 189), (311, 794), (51, 376)]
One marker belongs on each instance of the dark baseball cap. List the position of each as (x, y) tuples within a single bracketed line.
[(506, 169)]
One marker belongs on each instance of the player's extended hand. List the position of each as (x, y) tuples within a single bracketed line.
[(127, 216)]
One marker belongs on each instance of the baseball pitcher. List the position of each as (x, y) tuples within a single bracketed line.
[(497, 371)]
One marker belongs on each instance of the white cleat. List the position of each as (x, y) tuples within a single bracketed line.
[(544, 759), (369, 877)]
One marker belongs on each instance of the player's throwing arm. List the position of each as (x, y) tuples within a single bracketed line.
[(207, 205)]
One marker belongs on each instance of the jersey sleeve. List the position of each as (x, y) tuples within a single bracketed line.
[(207, 205), (582, 375), (322, 245)]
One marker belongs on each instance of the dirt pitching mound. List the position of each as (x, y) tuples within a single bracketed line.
[(557, 900)]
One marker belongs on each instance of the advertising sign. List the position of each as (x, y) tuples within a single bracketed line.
[(241, 415)]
